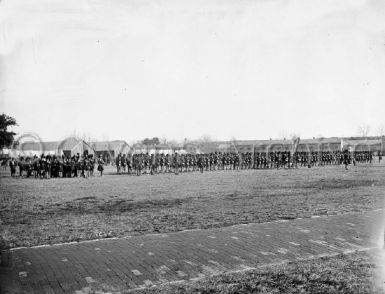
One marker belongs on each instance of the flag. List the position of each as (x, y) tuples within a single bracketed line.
[(342, 144)]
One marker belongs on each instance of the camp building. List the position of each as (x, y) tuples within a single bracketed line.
[(109, 150), (69, 147)]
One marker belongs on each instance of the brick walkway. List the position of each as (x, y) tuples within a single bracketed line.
[(111, 265)]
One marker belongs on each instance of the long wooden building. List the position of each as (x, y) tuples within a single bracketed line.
[(374, 144)]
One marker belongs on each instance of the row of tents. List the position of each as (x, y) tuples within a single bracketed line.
[(110, 149)]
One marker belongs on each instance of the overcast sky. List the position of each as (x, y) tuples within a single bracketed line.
[(130, 69)]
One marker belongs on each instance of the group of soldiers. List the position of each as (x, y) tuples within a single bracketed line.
[(178, 163), (51, 166), (333, 158)]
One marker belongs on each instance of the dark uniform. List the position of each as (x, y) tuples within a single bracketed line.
[(100, 165)]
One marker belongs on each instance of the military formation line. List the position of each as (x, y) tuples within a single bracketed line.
[(179, 163), (51, 166), (45, 167)]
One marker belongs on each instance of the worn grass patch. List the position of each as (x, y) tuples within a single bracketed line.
[(34, 212), (351, 273)]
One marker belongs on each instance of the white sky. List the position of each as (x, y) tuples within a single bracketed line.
[(250, 69)]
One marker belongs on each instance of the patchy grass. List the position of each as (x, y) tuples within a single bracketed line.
[(50, 211), (350, 273)]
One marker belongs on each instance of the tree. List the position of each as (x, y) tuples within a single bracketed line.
[(294, 135), (206, 138), (153, 141), (381, 130), (233, 146), (85, 137), (283, 134), (363, 130), (163, 140), (6, 137)]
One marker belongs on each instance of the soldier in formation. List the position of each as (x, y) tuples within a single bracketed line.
[(176, 163), (144, 163), (100, 165), (52, 166)]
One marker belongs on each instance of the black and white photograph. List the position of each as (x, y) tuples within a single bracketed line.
[(192, 146)]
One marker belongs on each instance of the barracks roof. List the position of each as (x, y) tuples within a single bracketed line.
[(37, 146), (108, 145), (362, 142), (333, 140), (66, 144), (314, 141)]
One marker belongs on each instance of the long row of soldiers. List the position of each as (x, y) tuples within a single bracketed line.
[(45, 167), (160, 163), (84, 165)]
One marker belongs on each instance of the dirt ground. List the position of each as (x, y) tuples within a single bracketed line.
[(34, 211)]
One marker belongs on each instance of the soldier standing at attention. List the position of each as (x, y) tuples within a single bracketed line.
[(92, 164), (152, 164), (129, 163), (139, 165), (123, 163), (100, 165), (176, 163), (21, 165), (346, 158), (117, 162), (12, 166)]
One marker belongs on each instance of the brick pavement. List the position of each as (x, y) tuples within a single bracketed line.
[(111, 265)]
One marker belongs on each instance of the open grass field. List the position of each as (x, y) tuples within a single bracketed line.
[(34, 212)]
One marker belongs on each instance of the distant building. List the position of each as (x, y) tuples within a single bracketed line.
[(163, 149), (363, 145), (193, 148), (205, 147), (321, 144), (262, 146), (110, 149), (68, 147), (332, 144), (140, 148)]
